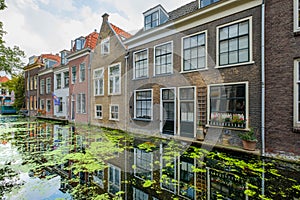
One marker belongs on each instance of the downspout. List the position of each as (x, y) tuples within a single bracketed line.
[(263, 78), (89, 86), (125, 89)]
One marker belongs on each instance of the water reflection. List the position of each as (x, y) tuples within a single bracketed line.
[(93, 163)]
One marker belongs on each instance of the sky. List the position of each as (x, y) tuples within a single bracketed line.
[(48, 26)]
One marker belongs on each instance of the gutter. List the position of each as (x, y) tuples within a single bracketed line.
[(125, 89), (89, 86), (263, 78)]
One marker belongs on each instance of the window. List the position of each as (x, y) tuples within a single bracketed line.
[(228, 105), (105, 46), (35, 82), (143, 104), (140, 64), (114, 112), (204, 3), (139, 194), (99, 82), (234, 43), (63, 56), (81, 101), (42, 86), (297, 94), (60, 106), (42, 104), (48, 85), (114, 179), (58, 81), (99, 177), (186, 178), (194, 52), (66, 79), (114, 77), (48, 105), (163, 59), (73, 74), (167, 170), (79, 43), (296, 15), (151, 20), (143, 163), (98, 111), (82, 72), (31, 83)]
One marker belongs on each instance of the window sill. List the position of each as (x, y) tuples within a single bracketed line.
[(114, 120), (195, 70), (141, 119), (114, 94), (142, 78), (234, 65), (228, 127), (297, 32), (99, 95), (162, 75), (98, 118), (296, 129)]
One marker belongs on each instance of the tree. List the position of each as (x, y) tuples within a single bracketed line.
[(10, 58), (17, 83)]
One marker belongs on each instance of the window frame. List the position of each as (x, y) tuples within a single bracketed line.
[(136, 164), (105, 41), (114, 92), (211, 2), (250, 43), (110, 112), (151, 20), (296, 109), (162, 55), (135, 105), (60, 108), (114, 177), (42, 86), (296, 15), (98, 79), (82, 70), (66, 79), (48, 85), (147, 64), (58, 81), (205, 51), (98, 111), (48, 103), (137, 193), (74, 74), (42, 104), (81, 105), (246, 116)]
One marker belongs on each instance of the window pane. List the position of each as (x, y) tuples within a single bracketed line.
[(233, 30), (243, 28), (224, 59), (186, 43), (243, 55), (223, 46), (243, 42), (233, 45), (224, 33), (233, 57)]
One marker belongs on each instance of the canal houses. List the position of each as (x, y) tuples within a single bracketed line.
[(79, 61), (196, 67), (108, 102), (61, 87)]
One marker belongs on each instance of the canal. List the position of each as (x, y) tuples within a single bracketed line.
[(48, 160)]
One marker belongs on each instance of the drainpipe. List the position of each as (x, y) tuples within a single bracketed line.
[(263, 78), (125, 89), (89, 87)]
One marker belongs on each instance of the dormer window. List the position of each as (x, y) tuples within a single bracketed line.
[(204, 3), (49, 63), (79, 43), (63, 56), (154, 17), (32, 59), (105, 46)]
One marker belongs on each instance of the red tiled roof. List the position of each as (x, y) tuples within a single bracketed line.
[(120, 31), (51, 57), (91, 40), (3, 79)]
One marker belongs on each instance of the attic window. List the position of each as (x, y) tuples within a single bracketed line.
[(49, 63), (79, 43), (105, 46), (151, 20), (204, 3), (154, 17)]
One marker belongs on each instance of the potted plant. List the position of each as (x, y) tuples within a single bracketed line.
[(249, 139)]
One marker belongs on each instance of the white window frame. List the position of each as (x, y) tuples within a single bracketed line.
[(161, 170), (100, 111), (182, 52), (139, 193), (134, 67), (97, 81), (296, 16), (110, 112), (48, 87), (73, 76), (48, 102), (151, 111), (211, 2), (42, 102), (151, 14), (250, 42), (195, 178), (120, 179), (246, 98), (66, 79), (114, 92), (104, 42), (81, 108), (82, 70), (296, 121), (135, 163), (154, 63), (58, 81), (42, 86)]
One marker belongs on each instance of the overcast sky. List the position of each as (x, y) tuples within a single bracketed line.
[(48, 26)]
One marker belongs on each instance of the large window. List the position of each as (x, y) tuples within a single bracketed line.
[(48, 105), (99, 82), (139, 194), (105, 46), (140, 64), (42, 86), (234, 43), (296, 15), (204, 3), (60, 106), (82, 72), (79, 43), (228, 105), (98, 111), (151, 20), (48, 85), (143, 163), (114, 112), (66, 79), (114, 77), (58, 81), (73, 74), (163, 59), (114, 179), (143, 104), (81, 103), (194, 52)]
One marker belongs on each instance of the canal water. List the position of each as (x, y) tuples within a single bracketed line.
[(48, 160)]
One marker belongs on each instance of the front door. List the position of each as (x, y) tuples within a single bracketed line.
[(168, 112), (187, 112)]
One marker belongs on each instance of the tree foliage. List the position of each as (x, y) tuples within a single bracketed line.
[(17, 85), (10, 57)]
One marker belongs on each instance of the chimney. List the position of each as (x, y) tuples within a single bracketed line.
[(105, 17)]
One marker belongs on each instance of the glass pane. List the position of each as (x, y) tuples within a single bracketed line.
[(148, 19), (201, 39), (201, 62), (233, 44), (233, 57), (186, 43), (243, 42), (187, 54), (194, 63), (201, 51), (243, 55), (223, 58), (223, 33), (223, 46), (193, 41), (194, 53), (243, 28), (233, 30), (155, 16)]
